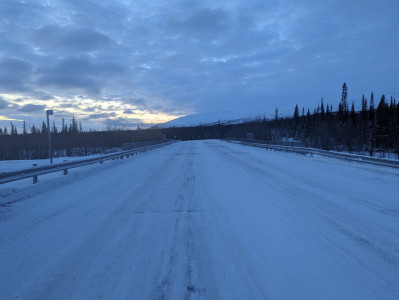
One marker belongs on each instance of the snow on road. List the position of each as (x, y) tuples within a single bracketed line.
[(205, 219)]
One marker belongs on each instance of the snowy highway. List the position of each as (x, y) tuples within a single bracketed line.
[(204, 220)]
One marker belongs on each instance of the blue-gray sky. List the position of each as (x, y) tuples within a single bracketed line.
[(126, 62)]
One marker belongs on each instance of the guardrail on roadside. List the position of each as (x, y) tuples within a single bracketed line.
[(303, 150), (35, 172)]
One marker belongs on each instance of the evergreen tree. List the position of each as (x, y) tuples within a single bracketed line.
[(54, 128), (33, 129), (371, 108), (322, 113), (353, 114), (363, 114), (371, 124), (344, 102), (5, 132), (64, 126), (392, 105), (364, 120), (75, 128), (44, 128), (397, 112), (382, 115), (12, 128), (24, 132), (296, 117), (340, 113)]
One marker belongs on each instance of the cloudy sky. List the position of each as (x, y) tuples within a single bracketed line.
[(123, 63)]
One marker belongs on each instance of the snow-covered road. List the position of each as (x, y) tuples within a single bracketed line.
[(205, 219)]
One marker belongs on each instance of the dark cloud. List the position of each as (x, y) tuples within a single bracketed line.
[(90, 109), (57, 38), (15, 74), (102, 115), (30, 108), (3, 103), (78, 73), (46, 97), (202, 22), (68, 105), (128, 111)]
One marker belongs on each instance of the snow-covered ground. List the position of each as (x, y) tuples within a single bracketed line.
[(16, 165), (204, 219)]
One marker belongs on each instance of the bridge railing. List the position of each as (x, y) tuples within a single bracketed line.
[(303, 150), (64, 167)]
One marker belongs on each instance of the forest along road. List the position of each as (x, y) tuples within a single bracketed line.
[(206, 219)]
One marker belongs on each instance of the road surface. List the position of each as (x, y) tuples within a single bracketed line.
[(204, 220)]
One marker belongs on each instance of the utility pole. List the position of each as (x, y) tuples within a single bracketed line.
[(50, 152)]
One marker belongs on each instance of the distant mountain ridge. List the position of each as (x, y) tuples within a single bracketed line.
[(216, 117)]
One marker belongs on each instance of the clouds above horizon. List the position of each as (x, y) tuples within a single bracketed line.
[(181, 57)]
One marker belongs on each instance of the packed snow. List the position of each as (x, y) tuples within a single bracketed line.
[(204, 220)]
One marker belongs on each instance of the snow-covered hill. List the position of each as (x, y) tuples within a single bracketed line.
[(224, 117)]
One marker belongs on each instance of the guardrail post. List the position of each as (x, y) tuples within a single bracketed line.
[(65, 171), (34, 179)]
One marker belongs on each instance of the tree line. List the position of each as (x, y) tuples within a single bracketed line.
[(73, 128), (69, 140), (373, 129)]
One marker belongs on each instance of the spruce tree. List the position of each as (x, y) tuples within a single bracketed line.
[(24, 132), (344, 102), (296, 117), (371, 108), (44, 128), (371, 125), (63, 126), (322, 113), (382, 113), (363, 114), (54, 128), (364, 120), (353, 114)]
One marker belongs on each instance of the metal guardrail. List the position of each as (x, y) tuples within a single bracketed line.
[(35, 172), (346, 156)]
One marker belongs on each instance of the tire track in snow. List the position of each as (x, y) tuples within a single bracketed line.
[(181, 253)]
